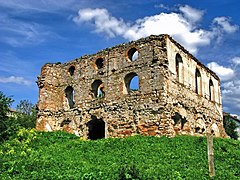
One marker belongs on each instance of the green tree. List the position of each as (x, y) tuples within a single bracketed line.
[(5, 121), (25, 107), (24, 117), (26, 114), (230, 126)]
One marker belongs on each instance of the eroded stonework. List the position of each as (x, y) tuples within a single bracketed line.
[(92, 96)]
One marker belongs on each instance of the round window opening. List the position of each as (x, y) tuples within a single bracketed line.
[(100, 63), (133, 54)]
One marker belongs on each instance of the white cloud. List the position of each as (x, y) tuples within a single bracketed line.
[(41, 6), (223, 72), (192, 14), (236, 60), (231, 90), (225, 25), (182, 26), (15, 79), (102, 20), (162, 6), (18, 33), (231, 94), (16, 29)]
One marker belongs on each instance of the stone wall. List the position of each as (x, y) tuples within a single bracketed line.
[(92, 96)]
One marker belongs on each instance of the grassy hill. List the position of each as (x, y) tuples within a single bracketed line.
[(58, 155)]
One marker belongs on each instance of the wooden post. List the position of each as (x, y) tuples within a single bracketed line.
[(210, 155)]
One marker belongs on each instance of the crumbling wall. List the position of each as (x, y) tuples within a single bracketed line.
[(92, 94), (199, 108)]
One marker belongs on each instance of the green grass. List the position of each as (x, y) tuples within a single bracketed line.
[(58, 155)]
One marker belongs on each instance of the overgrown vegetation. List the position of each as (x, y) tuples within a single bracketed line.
[(5, 121), (12, 121), (26, 114), (58, 155), (28, 154), (230, 126)]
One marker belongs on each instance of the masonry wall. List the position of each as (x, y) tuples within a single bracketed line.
[(198, 112), (92, 93)]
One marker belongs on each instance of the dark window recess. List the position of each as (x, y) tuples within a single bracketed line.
[(96, 128), (155, 60), (197, 129), (69, 93), (178, 59), (211, 90), (197, 82), (71, 70), (65, 122), (178, 118), (100, 63)]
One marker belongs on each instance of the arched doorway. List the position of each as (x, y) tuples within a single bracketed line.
[(96, 128)]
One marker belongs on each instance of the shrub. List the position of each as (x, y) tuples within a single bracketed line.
[(128, 172)]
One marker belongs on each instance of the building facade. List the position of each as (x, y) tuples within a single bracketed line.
[(93, 97)]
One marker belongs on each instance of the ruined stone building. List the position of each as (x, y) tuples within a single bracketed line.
[(92, 96)]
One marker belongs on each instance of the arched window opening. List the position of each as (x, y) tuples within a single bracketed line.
[(211, 90), (96, 128), (198, 82), (133, 54), (131, 83), (71, 70), (99, 62), (179, 67), (69, 93), (134, 83), (97, 89)]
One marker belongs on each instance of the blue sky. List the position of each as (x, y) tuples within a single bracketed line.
[(35, 32)]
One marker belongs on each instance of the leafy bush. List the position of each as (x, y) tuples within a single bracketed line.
[(11, 122), (16, 150), (129, 172)]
